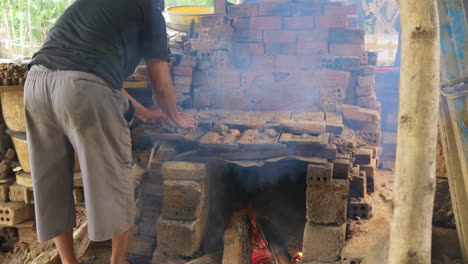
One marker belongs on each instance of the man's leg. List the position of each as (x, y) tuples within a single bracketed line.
[(120, 247), (64, 243)]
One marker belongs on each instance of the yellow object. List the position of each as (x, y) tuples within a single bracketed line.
[(13, 110), (180, 17)]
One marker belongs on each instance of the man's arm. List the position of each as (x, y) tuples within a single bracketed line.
[(163, 90)]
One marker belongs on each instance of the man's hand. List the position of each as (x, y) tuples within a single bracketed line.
[(153, 115), (184, 121)]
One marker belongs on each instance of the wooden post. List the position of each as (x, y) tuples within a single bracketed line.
[(411, 225), (220, 6)]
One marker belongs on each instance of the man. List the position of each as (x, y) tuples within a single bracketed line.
[(73, 104)]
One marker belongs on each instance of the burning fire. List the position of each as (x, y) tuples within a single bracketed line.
[(297, 258), (260, 251)]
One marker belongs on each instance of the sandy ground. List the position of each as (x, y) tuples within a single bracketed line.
[(366, 238)]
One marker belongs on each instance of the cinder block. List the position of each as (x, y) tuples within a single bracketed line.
[(341, 169), (322, 243), (183, 200), (13, 213), (243, 10), (363, 156), (180, 170), (327, 202), (141, 246), (279, 36), (183, 71), (346, 36), (179, 238), (358, 184), (299, 22), (360, 210), (5, 189), (318, 174), (266, 23)]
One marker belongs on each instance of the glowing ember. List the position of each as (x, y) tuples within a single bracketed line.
[(260, 252), (297, 258)]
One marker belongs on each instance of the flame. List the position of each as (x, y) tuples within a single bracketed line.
[(297, 258), (260, 252)]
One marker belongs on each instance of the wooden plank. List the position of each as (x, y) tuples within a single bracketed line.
[(237, 245), (457, 175)]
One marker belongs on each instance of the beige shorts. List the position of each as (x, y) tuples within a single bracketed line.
[(67, 112)]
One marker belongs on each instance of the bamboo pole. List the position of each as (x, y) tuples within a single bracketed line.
[(411, 225)]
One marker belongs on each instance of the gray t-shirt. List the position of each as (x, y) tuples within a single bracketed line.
[(106, 38)]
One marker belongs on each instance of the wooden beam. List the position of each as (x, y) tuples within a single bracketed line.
[(5, 89), (414, 188), (220, 6)]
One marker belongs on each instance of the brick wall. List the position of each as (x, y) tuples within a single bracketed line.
[(279, 54)]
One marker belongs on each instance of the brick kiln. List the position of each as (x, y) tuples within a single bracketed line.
[(273, 83)]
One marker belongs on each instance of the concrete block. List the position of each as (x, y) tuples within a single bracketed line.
[(327, 202), (318, 174), (13, 213), (179, 238), (360, 210), (323, 243), (180, 170), (183, 200)]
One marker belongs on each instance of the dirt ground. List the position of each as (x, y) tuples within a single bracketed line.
[(368, 239)]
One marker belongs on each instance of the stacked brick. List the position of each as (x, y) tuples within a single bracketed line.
[(277, 54), (184, 211), (327, 202)]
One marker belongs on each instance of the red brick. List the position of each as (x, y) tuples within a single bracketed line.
[(352, 112), (340, 10), (333, 79), (243, 10), (211, 20), (369, 102), (317, 35), (346, 36), (279, 36), (366, 86), (300, 22), (257, 79), (275, 8), (241, 24), (280, 49), (217, 77), (266, 23), (202, 44), (183, 71), (286, 63), (248, 36), (182, 88), (331, 21), (184, 80), (247, 62), (250, 49), (188, 61), (312, 48), (346, 49)]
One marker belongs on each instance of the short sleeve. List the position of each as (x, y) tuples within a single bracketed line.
[(153, 35)]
